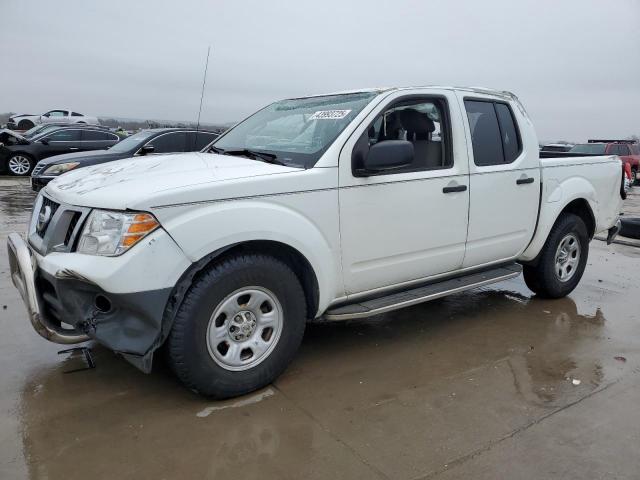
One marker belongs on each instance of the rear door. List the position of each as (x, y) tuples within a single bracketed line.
[(504, 180), (170, 142)]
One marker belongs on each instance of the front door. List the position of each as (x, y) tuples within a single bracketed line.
[(61, 141), (505, 181), (411, 223)]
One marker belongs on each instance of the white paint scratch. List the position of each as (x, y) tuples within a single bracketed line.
[(240, 403)]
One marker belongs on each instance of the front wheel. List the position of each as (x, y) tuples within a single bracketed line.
[(562, 260), (634, 175), (20, 165), (238, 327)]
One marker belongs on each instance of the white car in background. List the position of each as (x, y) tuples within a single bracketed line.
[(26, 121)]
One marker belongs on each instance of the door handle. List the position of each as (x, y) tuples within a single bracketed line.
[(73, 148), (524, 181), (456, 188)]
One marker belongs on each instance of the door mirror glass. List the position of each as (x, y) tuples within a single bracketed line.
[(147, 149), (388, 155)]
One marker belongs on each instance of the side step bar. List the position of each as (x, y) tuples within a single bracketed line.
[(417, 295)]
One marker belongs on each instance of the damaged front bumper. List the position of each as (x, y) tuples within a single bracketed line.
[(66, 307), (23, 269)]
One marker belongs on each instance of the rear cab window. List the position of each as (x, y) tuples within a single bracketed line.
[(494, 132)]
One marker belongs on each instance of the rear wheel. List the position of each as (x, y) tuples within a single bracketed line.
[(634, 175), (239, 326), (25, 124), (20, 165), (562, 260)]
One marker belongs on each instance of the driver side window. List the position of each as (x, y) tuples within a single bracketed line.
[(55, 114), (423, 123)]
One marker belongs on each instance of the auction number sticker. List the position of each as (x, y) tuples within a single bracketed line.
[(329, 114)]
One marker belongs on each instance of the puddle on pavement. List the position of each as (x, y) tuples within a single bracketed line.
[(439, 378), (16, 201)]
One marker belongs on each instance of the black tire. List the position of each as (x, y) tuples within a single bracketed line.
[(20, 158), (187, 345), (630, 227), (25, 124), (542, 278), (634, 174)]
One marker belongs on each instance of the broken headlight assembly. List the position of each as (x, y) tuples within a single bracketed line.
[(110, 233)]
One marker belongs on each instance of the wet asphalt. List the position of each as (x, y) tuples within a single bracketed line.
[(490, 384)]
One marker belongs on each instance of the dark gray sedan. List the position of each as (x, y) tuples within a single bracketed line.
[(161, 140)]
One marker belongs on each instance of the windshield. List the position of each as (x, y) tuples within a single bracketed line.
[(590, 148), (39, 130), (296, 131), (134, 141)]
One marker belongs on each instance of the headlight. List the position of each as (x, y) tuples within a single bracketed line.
[(60, 168), (112, 233)]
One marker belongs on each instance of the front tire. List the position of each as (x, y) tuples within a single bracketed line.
[(634, 174), (562, 260), (239, 326), (20, 165)]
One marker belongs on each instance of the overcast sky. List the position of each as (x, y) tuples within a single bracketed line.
[(574, 64)]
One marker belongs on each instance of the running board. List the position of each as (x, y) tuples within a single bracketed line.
[(414, 296)]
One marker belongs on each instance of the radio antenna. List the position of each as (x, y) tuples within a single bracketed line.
[(204, 82)]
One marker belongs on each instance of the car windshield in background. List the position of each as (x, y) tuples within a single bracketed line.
[(296, 131), (590, 149), (131, 142)]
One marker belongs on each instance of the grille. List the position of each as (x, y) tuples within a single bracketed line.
[(71, 228), (60, 232), (47, 202), (37, 170)]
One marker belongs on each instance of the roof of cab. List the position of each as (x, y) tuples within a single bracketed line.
[(478, 90)]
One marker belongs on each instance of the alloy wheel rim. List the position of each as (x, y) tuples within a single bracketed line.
[(244, 328), (19, 165), (567, 258)]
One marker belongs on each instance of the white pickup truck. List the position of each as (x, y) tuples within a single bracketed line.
[(330, 207)]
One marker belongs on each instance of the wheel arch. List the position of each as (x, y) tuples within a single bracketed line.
[(578, 205), (285, 253)]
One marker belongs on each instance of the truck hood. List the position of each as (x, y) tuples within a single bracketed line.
[(157, 180)]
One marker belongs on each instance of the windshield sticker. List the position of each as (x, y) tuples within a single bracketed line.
[(329, 114)]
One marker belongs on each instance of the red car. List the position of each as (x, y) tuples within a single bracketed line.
[(627, 150)]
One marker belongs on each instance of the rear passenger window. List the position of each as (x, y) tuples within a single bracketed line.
[(510, 138), (199, 140), (94, 135), (485, 133), (622, 150), (64, 136), (494, 134), (169, 142)]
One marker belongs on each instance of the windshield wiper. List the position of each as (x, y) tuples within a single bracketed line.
[(215, 150), (261, 156)]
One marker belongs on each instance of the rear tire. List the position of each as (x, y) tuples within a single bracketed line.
[(634, 175), (220, 344), (25, 124), (562, 260)]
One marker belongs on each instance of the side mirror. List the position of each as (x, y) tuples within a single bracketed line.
[(147, 149), (44, 141), (388, 155)]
